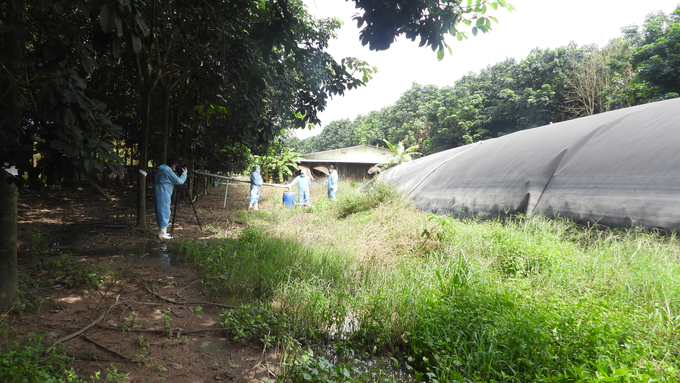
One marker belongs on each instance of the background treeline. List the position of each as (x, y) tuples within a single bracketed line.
[(548, 86)]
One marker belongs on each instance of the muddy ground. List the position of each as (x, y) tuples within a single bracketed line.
[(144, 320)]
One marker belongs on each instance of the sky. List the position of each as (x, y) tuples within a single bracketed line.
[(533, 24)]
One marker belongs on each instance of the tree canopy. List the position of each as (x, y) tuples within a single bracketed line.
[(89, 86)]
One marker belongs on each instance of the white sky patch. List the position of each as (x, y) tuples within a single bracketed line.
[(534, 24)]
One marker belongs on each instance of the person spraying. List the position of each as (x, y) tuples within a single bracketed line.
[(165, 182), (255, 184), (303, 182), (332, 183)]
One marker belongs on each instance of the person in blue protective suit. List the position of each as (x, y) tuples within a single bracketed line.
[(303, 182), (255, 183), (332, 182), (166, 179)]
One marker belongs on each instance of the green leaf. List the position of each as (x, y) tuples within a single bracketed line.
[(59, 145), (136, 43), (119, 25), (117, 47), (89, 65), (440, 54), (107, 18), (474, 31), (141, 25)]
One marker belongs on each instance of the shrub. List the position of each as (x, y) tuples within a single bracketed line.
[(367, 197)]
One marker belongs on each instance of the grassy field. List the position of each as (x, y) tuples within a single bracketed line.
[(397, 294)]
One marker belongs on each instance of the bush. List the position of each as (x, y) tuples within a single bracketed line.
[(367, 197), (23, 361)]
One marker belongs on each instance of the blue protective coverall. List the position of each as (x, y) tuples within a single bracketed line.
[(166, 179), (255, 183), (303, 183), (332, 184)]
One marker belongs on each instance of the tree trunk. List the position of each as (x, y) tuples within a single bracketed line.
[(143, 149), (9, 271), (11, 56), (166, 126)]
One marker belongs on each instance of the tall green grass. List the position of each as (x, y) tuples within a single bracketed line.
[(512, 300)]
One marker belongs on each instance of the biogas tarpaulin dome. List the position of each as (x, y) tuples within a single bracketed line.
[(620, 168)]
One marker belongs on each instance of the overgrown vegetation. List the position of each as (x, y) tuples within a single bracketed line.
[(62, 269), (23, 360), (513, 300)]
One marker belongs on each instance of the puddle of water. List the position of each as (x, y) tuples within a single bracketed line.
[(383, 364), (163, 254), (209, 344), (121, 216)]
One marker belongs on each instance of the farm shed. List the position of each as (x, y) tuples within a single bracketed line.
[(620, 168), (354, 162)]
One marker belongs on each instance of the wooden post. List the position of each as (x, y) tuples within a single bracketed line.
[(226, 190)]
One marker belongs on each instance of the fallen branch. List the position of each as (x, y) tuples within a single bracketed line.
[(186, 303), (82, 330), (95, 358), (161, 331), (106, 348), (102, 192), (210, 304), (160, 296)]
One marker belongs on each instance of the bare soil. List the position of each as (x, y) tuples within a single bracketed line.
[(143, 320)]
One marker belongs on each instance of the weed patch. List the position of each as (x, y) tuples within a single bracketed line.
[(514, 299)]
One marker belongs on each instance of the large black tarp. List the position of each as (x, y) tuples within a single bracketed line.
[(620, 168)]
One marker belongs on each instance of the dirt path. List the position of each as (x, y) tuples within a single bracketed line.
[(149, 319)]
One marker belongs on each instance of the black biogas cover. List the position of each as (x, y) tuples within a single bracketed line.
[(620, 168)]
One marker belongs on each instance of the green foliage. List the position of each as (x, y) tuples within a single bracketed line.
[(167, 318), (372, 195), (256, 266), (112, 376), (513, 300), (258, 322), (130, 321), (278, 163), (38, 243), (401, 154), (22, 360), (309, 367), (63, 269), (382, 22), (657, 58)]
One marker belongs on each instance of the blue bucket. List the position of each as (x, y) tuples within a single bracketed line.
[(288, 199)]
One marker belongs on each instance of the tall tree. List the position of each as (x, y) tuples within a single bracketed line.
[(261, 65), (657, 59), (45, 62)]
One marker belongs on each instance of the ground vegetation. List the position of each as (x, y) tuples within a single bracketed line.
[(367, 288)]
